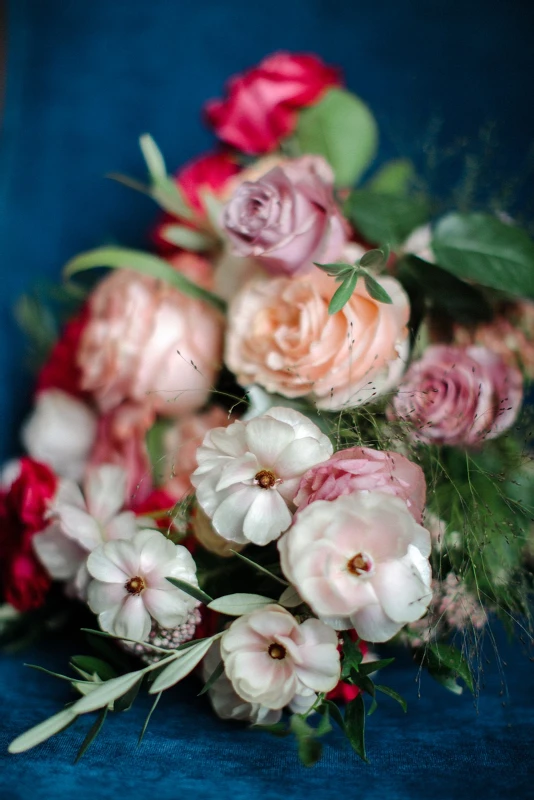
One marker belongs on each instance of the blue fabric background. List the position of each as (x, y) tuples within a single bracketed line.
[(85, 78)]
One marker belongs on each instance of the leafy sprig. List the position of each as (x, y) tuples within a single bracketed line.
[(348, 274)]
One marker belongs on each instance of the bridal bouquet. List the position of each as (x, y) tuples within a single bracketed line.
[(290, 433)]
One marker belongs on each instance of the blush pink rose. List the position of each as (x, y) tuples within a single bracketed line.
[(458, 396), (261, 106), (361, 469), (121, 440), (181, 443), (281, 336), (147, 343), (287, 218)]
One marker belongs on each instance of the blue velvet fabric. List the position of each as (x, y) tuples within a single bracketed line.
[(85, 78)]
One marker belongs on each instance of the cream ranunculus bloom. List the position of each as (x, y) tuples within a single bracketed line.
[(270, 659), (360, 561), (249, 472)]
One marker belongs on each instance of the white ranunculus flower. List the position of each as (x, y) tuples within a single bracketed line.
[(81, 522), (249, 472), (360, 561), (272, 660), (130, 587), (226, 703), (60, 432)]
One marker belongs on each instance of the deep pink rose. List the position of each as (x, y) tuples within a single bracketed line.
[(458, 396), (147, 343), (288, 218), (360, 469), (261, 106)]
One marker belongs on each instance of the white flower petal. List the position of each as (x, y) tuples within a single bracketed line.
[(267, 438), (238, 470), (105, 491), (79, 526), (169, 608), (372, 625), (60, 556), (105, 596), (400, 590), (230, 515), (267, 517), (123, 526), (106, 563), (132, 620), (299, 456)]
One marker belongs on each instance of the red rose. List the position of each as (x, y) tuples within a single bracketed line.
[(261, 106), (24, 581), (209, 173), (61, 370)]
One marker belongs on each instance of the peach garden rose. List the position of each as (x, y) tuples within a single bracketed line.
[(281, 336)]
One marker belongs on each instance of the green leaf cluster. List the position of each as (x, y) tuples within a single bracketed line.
[(347, 276)]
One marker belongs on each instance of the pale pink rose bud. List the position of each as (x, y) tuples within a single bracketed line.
[(269, 658), (458, 396), (60, 433), (288, 218), (148, 343), (360, 561), (361, 469), (281, 337)]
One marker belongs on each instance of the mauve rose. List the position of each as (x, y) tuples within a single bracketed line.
[(147, 343), (458, 396), (261, 107), (288, 218), (211, 174), (360, 469), (281, 337)]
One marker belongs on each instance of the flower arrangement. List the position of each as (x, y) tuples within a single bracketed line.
[(289, 434)]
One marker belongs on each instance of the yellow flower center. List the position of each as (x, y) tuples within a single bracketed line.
[(265, 478), (135, 585)]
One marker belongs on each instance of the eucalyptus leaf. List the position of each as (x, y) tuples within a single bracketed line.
[(375, 290), (481, 248), (180, 667), (259, 568), (234, 605), (148, 718), (107, 692), (43, 731), (213, 678), (153, 157), (385, 218), (191, 590), (290, 598), (94, 666), (341, 128), (394, 177), (144, 263), (187, 238), (343, 293), (92, 733)]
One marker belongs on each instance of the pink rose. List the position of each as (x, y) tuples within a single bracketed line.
[(360, 469), (147, 343), (181, 443), (121, 440), (261, 107), (287, 218), (458, 396), (281, 336)]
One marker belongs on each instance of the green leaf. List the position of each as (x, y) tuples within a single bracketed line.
[(374, 259), (126, 701), (107, 692), (92, 733), (355, 725), (290, 598), (391, 693), (341, 128), (277, 728), (144, 263), (481, 248), (186, 238), (335, 713), (394, 177), (447, 679), (363, 682), (309, 748), (343, 293), (43, 731), (153, 157), (385, 218), (444, 655), (180, 667), (94, 666), (372, 707), (368, 667), (215, 675), (191, 590), (376, 291), (54, 674), (234, 605), (352, 655), (149, 716), (335, 270), (260, 568)]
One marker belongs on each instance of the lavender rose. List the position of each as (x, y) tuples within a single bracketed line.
[(358, 469), (458, 396), (287, 218)]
